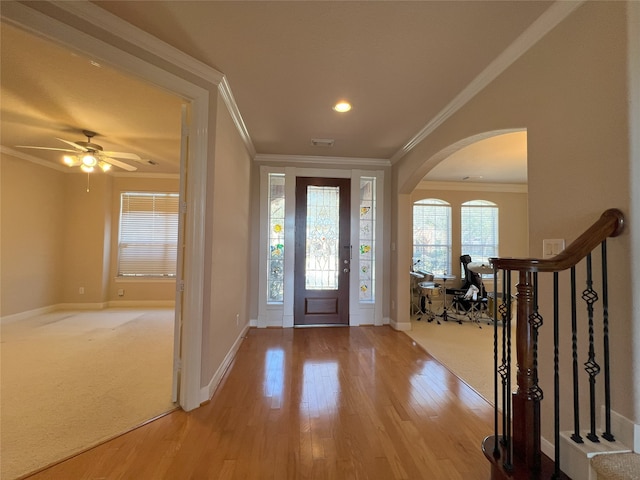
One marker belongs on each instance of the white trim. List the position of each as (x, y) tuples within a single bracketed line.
[(30, 158), (349, 162), (144, 279), (206, 393), (281, 315), (227, 97), (400, 326), (141, 304), (555, 14), (474, 187), (166, 176), (61, 33), (16, 317), (95, 15)]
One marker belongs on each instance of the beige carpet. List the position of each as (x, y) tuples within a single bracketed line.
[(464, 349), (72, 379)]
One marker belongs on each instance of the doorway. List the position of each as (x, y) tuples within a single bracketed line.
[(322, 251)]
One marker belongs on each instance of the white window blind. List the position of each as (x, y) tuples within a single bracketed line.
[(432, 235), (148, 234), (479, 230)]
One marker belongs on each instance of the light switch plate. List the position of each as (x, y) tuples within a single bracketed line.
[(552, 247)]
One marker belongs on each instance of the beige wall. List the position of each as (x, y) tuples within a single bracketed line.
[(58, 238), (570, 93), (227, 256), (32, 222)]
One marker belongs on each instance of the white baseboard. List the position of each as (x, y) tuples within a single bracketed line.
[(87, 306), (575, 458), (141, 304), (400, 326), (29, 313), (206, 393)]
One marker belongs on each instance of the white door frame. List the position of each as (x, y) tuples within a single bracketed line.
[(280, 314), (44, 26)]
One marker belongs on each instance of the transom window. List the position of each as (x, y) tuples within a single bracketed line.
[(479, 230), (148, 237), (432, 235)]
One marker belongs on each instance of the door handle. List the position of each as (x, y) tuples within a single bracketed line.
[(346, 270)]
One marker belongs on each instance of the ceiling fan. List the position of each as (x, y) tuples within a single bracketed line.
[(88, 155)]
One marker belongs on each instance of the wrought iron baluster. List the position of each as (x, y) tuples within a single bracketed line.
[(508, 465), (593, 369), (556, 376), (502, 369), (536, 321), (574, 352), (607, 435), (496, 449)]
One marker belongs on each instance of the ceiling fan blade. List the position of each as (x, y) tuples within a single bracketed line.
[(47, 148), (74, 145), (128, 156), (117, 163)]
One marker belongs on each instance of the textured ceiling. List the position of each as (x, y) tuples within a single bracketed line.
[(398, 63)]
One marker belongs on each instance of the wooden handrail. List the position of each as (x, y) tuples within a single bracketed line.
[(525, 400), (610, 224)]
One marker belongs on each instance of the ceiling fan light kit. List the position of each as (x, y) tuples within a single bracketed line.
[(88, 155)]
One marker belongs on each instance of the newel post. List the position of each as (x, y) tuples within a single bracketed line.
[(526, 401)]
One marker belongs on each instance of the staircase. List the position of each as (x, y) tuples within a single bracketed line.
[(584, 453), (617, 466)]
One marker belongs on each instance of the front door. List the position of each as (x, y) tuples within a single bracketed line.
[(322, 251)]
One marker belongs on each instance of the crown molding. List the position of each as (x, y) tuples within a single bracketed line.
[(555, 14), (474, 187), (227, 97), (310, 159), (30, 158), (95, 15), (169, 176), (115, 25)]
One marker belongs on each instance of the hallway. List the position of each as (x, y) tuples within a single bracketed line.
[(334, 403)]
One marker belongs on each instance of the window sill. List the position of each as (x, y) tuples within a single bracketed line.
[(145, 279)]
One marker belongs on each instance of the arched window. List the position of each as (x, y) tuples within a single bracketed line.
[(432, 235), (479, 230)]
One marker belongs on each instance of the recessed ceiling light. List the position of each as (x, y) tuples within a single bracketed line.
[(342, 107)]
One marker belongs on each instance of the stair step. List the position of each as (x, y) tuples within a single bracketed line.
[(617, 466)]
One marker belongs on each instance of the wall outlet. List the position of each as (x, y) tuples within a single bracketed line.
[(121, 292), (81, 290)]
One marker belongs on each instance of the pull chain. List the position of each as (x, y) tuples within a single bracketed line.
[(87, 182)]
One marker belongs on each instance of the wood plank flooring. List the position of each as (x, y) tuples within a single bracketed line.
[(316, 403)]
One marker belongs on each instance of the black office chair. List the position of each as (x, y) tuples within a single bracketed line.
[(471, 298)]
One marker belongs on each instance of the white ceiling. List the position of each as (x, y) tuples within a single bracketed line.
[(399, 64)]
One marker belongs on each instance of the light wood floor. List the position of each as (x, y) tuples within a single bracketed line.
[(317, 403)]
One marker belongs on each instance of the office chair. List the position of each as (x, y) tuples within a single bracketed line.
[(471, 298)]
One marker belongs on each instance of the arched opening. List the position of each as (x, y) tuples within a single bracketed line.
[(482, 179)]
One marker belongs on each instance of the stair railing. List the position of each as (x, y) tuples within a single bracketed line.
[(514, 450)]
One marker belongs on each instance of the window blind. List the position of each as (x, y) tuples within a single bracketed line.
[(432, 235), (479, 230), (148, 237)]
